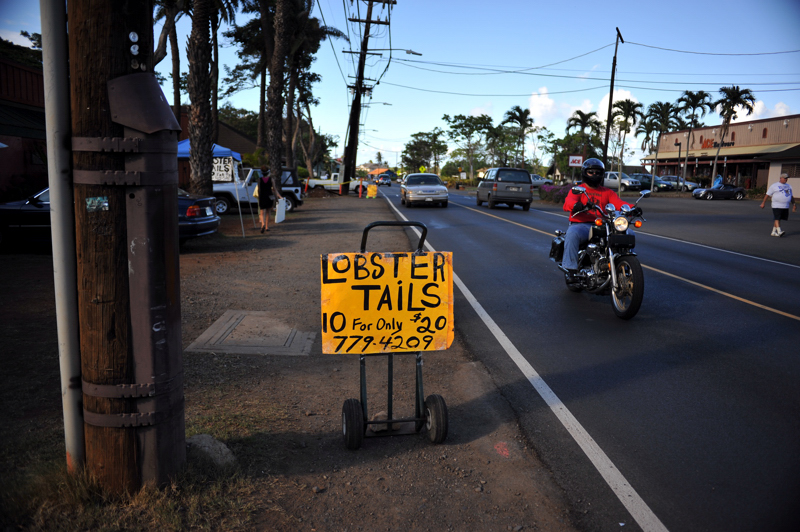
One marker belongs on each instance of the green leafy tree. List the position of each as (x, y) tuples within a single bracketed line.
[(692, 104), (417, 152), (501, 142), (581, 122), (627, 113), (467, 133), (662, 116), (733, 98), (242, 120), (522, 118)]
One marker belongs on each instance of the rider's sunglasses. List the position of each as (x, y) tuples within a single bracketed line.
[(593, 172)]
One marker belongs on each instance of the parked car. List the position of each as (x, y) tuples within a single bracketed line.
[(685, 186), (226, 191), (418, 189), (646, 181), (721, 191), (384, 179), (537, 181), (511, 186), (611, 180), (29, 219)]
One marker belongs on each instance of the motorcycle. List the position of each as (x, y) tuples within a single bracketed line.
[(607, 263)]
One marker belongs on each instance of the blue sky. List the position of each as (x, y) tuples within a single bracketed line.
[(550, 57)]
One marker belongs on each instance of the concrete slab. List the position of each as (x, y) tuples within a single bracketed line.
[(249, 332)]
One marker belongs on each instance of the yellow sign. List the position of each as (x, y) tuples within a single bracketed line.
[(422, 169), (386, 302)]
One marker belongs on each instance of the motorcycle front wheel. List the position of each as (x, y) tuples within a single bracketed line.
[(627, 297)]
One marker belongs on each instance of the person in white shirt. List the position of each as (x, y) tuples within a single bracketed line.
[(781, 194)]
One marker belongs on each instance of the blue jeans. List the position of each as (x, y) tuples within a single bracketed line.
[(577, 235)]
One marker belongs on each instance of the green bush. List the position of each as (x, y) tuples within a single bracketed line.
[(554, 193), (757, 193)]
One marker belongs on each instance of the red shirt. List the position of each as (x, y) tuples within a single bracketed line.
[(602, 196)]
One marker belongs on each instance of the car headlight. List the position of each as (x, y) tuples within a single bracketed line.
[(621, 224)]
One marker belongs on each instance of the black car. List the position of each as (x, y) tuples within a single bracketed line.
[(29, 219), (721, 191)]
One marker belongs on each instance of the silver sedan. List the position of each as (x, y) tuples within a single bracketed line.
[(420, 189)]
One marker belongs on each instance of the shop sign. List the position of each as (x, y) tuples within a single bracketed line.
[(709, 143), (386, 302)]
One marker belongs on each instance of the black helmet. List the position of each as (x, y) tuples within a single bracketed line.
[(596, 169)]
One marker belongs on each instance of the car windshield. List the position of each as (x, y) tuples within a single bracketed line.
[(423, 180), (513, 176)]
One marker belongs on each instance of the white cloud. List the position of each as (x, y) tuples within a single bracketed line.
[(760, 110), (602, 107), (543, 108), (485, 109)]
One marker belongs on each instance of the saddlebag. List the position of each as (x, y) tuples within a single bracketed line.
[(557, 249)]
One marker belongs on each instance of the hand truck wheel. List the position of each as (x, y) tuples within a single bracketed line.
[(436, 418), (353, 426)]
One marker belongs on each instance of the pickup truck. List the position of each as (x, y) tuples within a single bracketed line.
[(537, 181), (227, 192), (331, 183)]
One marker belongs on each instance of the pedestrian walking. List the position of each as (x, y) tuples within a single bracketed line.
[(782, 197), (267, 194)]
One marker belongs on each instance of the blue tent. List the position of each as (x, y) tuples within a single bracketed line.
[(219, 151)]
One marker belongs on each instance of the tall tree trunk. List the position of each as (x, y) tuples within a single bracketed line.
[(215, 79), (261, 140), (719, 147), (199, 56), (310, 152), (176, 73), (275, 89), (290, 116), (686, 159)]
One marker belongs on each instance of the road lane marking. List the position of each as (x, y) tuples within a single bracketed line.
[(639, 510), (699, 285), (726, 294)]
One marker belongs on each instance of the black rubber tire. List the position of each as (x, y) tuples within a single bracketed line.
[(223, 205), (491, 202), (478, 202), (709, 195), (353, 426), (291, 204), (526, 207), (628, 299), (436, 418), (408, 204), (739, 196), (623, 188), (444, 204), (402, 200)]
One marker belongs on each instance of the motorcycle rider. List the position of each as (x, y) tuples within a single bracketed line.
[(582, 220)]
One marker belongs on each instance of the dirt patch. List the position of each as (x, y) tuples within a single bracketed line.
[(281, 416)]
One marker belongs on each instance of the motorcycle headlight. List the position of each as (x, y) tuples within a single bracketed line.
[(621, 224)]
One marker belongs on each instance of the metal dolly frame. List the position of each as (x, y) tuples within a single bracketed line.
[(430, 413)]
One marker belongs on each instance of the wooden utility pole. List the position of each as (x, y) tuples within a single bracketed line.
[(611, 98), (351, 149), (125, 174)]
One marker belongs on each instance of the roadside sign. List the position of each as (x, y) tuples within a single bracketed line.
[(376, 302), (422, 169), (576, 160)]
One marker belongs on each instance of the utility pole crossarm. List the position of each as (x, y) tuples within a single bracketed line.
[(379, 21)]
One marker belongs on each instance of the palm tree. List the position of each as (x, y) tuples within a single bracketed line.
[(662, 115), (583, 121), (691, 103), (521, 117), (646, 127), (630, 112), (732, 97), (307, 36), (277, 62), (199, 55), (171, 11), (222, 11)]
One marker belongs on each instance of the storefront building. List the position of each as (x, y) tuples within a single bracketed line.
[(752, 154)]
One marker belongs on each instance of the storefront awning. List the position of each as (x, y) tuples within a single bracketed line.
[(743, 151)]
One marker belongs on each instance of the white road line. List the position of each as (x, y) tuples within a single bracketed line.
[(641, 513)]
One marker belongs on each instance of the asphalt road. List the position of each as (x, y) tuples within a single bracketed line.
[(686, 417)]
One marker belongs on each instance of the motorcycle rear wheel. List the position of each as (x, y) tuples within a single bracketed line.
[(627, 299)]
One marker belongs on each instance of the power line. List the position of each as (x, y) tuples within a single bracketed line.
[(493, 95), (710, 53)]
